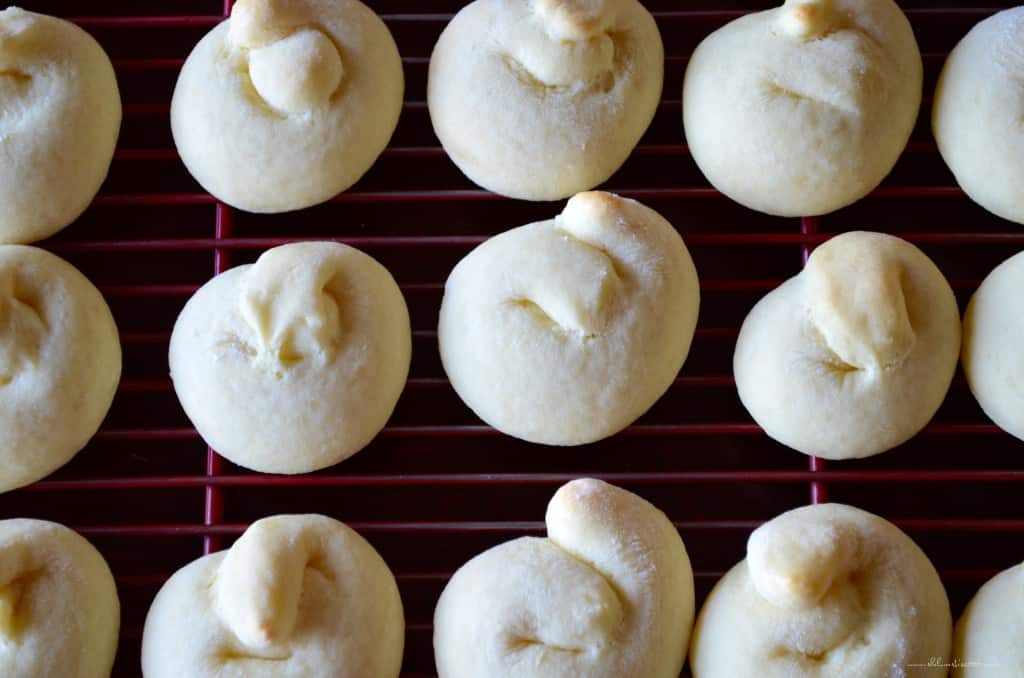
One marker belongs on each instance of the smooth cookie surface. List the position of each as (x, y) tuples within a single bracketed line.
[(60, 114), (59, 612), (826, 591), (977, 112), (60, 363)]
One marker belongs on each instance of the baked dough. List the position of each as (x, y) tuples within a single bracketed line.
[(826, 591), (977, 112), (608, 594), (540, 99), (293, 363), (59, 613), (565, 331), (60, 363), (993, 334), (803, 109), (296, 595), (986, 641), (854, 355), (60, 113), (288, 102)]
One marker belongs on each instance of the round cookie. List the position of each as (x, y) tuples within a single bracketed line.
[(288, 102), (991, 355), (296, 595), (293, 363), (565, 331), (541, 99), (977, 112), (608, 594), (60, 363), (803, 109), (60, 113), (826, 591), (986, 640), (59, 612), (854, 355)]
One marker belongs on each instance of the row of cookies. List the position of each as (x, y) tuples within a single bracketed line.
[(561, 332), (566, 331), (795, 111), (825, 590), (798, 110)]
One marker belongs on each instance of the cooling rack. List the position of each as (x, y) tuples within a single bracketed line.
[(437, 486)]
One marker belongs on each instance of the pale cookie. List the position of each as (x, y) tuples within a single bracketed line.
[(293, 363), (59, 612), (976, 117), (541, 99), (993, 336), (608, 594), (60, 113), (565, 331), (803, 109), (826, 591), (60, 363), (987, 638), (296, 595), (854, 355), (288, 102)]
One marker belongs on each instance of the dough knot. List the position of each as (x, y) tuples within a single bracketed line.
[(293, 310), (574, 47), (858, 302), (795, 560), (577, 295), (21, 329), (259, 583), (294, 66), (808, 19)]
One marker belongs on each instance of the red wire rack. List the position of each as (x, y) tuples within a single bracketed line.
[(438, 486)]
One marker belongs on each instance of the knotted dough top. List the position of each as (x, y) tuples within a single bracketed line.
[(805, 108), (293, 363), (60, 363), (608, 594), (565, 331), (296, 596), (288, 102), (59, 612), (854, 355), (541, 99), (826, 591)]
